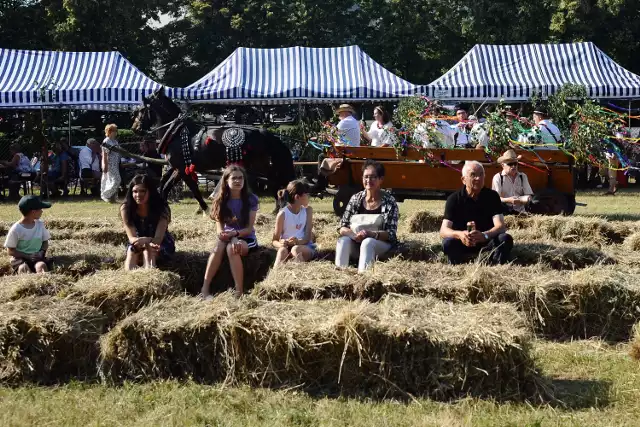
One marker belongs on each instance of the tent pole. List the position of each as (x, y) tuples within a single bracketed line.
[(629, 117), (70, 127)]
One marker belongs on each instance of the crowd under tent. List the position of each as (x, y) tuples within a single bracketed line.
[(295, 75), (516, 72), (71, 80)]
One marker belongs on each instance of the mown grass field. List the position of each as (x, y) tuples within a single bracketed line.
[(594, 382)]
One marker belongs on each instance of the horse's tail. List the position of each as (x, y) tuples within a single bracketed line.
[(281, 158)]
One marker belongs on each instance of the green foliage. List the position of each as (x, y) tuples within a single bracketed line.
[(501, 129)]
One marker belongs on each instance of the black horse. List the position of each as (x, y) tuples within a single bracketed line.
[(188, 149)]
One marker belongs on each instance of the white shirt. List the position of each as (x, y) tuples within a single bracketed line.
[(379, 136), (295, 225), (506, 187), (27, 240), (87, 160), (349, 128), (549, 133)]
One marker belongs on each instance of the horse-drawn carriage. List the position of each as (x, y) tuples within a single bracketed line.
[(409, 175)]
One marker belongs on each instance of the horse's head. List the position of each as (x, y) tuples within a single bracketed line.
[(156, 109)]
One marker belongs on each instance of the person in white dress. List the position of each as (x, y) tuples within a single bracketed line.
[(379, 134), (293, 235), (349, 127), (110, 166)]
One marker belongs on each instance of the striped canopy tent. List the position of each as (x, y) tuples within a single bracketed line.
[(516, 72), (278, 76), (79, 80)]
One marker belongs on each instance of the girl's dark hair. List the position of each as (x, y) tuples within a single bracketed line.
[(220, 211), (379, 167), (386, 117), (157, 206), (295, 188)]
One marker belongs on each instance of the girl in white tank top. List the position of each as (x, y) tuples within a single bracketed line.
[(293, 232)]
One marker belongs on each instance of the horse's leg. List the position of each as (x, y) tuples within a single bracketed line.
[(195, 190)]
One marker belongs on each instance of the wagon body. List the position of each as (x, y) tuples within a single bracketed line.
[(407, 177)]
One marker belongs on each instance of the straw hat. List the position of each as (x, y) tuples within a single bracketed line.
[(345, 108), (509, 156)]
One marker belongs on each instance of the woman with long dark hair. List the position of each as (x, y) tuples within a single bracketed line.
[(234, 210), (145, 217)]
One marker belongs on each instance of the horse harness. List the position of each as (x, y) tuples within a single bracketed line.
[(232, 138)]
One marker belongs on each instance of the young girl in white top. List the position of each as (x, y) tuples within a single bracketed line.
[(293, 236)]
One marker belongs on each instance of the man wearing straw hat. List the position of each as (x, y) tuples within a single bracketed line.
[(349, 127), (512, 186)]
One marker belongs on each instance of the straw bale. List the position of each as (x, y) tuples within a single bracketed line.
[(560, 256), (24, 285), (424, 222), (395, 347), (570, 228), (47, 339), (120, 293), (79, 258), (635, 342), (173, 338), (599, 301), (79, 224), (633, 242), (190, 265)]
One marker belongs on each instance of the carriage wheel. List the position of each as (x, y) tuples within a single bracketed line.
[(342, 197)]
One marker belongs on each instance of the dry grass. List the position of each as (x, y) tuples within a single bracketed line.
[(78, 258), (575, 229), (595, 302), (399, 346), (23, 285), (424, 222), (120, 293), (560, 256), (633, 242), (46, 339)]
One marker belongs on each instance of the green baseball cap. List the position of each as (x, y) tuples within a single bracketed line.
[(32, 203)]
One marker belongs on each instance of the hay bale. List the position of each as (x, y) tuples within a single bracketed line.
[(23, 285), (173, 338), (575, 229), (78, 258), (47, 339), (191, 264), (560, 256), (633, 242), (80, 224), (120, 293), (395, 347), (424, 222), (635, 342), (595, 302)]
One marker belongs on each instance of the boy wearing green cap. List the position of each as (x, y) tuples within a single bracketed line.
[(28, 240)]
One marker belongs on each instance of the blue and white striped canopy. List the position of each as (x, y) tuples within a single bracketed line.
[(91, 80), (272, 76), (516, 72)]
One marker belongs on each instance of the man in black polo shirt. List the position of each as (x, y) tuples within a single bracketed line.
[(474, 203)]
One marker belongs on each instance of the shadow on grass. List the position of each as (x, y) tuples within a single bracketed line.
[(580, 393)]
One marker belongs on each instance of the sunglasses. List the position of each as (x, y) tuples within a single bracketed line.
[(512, 164)]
